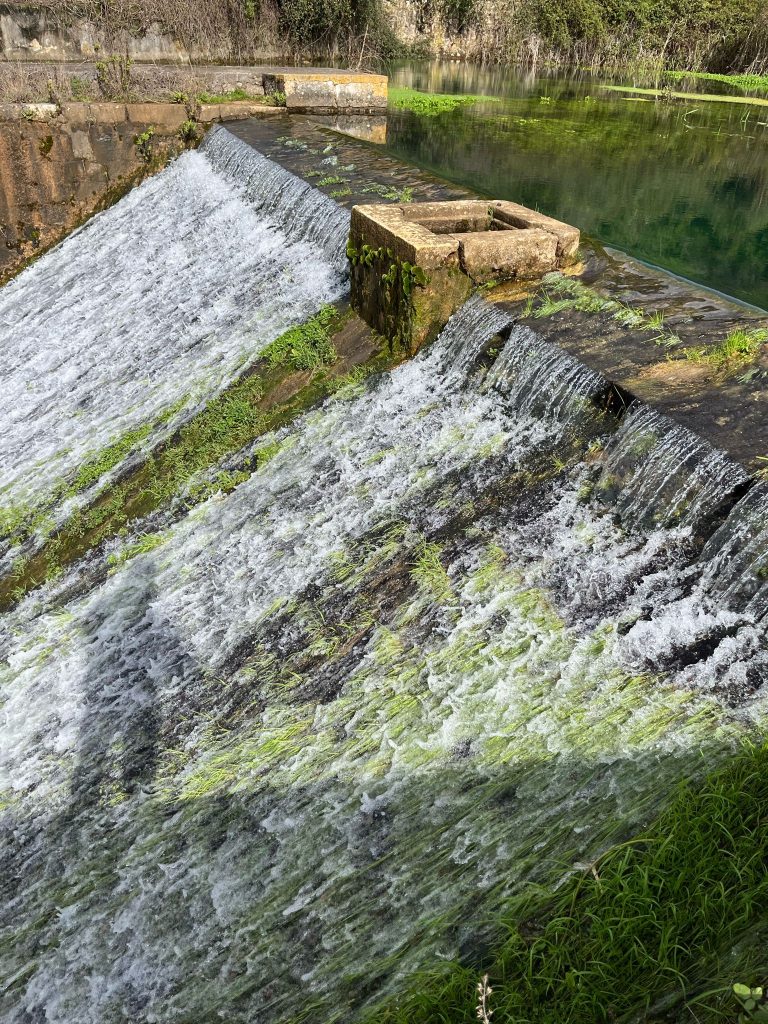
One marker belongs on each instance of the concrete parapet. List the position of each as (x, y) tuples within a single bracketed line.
[(328, 92)]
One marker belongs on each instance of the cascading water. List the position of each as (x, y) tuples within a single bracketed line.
[(154, 306), (315, 737)]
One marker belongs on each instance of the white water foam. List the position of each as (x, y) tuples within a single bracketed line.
[(161, 299)]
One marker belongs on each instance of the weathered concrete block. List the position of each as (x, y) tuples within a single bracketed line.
[(331, 91), (521, 217), (406, 281), (235, 111), (490, 255), (413, 265), (166, 116)]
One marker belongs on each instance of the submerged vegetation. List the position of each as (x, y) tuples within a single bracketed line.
[(660, 926), (748, 83), (430, 104)]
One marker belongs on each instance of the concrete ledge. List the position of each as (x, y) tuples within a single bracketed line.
[(328, 93), (235, 111)]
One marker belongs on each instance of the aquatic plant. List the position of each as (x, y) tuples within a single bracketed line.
[(430, 104), (747, 82)]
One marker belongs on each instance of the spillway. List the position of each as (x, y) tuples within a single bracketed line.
[(447, 643)]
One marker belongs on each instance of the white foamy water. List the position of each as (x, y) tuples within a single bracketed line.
[(158, 301), (323, 728)]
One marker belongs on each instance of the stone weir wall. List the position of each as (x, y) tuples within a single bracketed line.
[(651, 335)]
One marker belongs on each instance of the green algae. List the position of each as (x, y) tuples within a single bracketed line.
[(429, 574), (695, 96), (749, 83), (430, 104)]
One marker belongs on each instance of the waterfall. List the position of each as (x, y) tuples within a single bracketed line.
[(657, 473), (541, 380), (301, 210), (462, 340), (457, 635), (736, 556), (334, 718), (151, 308)]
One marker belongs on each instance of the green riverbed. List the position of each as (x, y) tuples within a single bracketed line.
[(678, 181)]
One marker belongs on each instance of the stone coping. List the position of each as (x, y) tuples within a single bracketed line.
[(306, 90), (168, 116)]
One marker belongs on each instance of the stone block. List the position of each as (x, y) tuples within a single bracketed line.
[(521, 217), (413, 265), (235, 111), (332, 91), (166, 117), (490, 255)]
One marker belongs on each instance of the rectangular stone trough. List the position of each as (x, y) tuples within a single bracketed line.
[(413, 265)]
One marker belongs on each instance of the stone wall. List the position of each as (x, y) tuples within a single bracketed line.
[(57, 172)]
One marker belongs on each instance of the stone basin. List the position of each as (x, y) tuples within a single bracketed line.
[(447, 248)]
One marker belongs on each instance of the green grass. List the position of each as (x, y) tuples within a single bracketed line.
[(233, 96), (739, 347), (430, 104), (659, 928), (307, 346), (749, 83)]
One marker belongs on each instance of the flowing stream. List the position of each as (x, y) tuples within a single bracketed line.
[(446, 643)]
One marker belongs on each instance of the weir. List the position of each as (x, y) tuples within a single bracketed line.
[(464, 624)]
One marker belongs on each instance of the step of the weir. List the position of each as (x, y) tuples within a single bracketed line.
[(717, 402)]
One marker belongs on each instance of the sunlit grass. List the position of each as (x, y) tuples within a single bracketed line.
[(669, 919)]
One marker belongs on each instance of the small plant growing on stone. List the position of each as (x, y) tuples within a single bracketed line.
[(79, 89), (275, 99), (189, 132), (143, 143), (113, 76)]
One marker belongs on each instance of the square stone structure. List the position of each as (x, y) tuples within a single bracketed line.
[(413, 265)]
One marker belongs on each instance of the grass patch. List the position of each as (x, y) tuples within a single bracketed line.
[(660, 927), (233, 96), (739, 347), (429, 574), (430, 104), (307, 346)]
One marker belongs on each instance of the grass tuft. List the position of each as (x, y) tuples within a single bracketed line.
[(659, 927)]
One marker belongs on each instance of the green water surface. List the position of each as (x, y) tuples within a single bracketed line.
[(681, 183)]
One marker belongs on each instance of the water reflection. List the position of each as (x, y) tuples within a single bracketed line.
[(679, 183)]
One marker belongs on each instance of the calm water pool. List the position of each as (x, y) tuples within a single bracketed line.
[(677, 182)]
